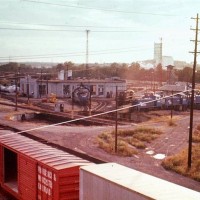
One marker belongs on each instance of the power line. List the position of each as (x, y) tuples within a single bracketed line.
[(99, 9), (64, 30), (67, 30), (65, 25), (73, 54), (36, 29)]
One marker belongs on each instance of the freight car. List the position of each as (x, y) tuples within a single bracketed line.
[(113, 181), (30, 170)]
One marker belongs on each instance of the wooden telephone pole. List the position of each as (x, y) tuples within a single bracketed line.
[(192, 96)]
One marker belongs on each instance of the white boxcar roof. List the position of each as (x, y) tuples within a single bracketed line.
[(147, 185)]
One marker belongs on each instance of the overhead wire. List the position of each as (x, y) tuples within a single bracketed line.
[(99, 9), (70, 54), (69, 30), (65, 25)]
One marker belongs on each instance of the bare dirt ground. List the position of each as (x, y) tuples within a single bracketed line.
[(83, 139)]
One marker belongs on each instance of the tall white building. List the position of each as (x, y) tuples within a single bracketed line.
[(158, 52), (159, 58)]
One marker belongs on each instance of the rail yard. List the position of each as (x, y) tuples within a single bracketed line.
[(79, 139), (99, 100)]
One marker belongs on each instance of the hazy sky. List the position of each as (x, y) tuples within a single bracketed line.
[(120, 31)]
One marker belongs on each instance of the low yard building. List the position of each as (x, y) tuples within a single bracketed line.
[(175, 88), (64, 88)]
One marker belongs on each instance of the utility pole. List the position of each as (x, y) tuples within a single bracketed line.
[(16, 91), (116, 120), (41, 77), (172, 105), (28, 101), (87, 54), (192, 96)]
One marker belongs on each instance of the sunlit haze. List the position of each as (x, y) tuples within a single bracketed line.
[(119, 31)]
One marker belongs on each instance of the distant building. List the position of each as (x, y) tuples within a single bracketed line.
[(159, 58), (167, 60), (63, 88), (178, 87), (181, 64), (175, 88), (158, 53)]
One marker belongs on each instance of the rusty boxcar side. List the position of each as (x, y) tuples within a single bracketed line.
[(32, 170)]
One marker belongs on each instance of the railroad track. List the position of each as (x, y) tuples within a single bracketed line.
[(101, 106), (66, 116)]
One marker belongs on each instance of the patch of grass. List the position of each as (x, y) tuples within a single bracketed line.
[(196, 136), (166, 118), (124, 149), (108, 145), (198, 127), (128, 140), (171, 122), (178, 162), (105, 136), (136, 143)]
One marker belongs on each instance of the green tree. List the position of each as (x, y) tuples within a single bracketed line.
[(185, 74)]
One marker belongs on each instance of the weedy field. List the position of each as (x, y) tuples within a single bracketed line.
[(178, 162)]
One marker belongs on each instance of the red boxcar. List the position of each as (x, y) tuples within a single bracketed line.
[(32, 170)]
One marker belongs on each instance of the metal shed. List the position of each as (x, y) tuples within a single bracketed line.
[(113, 181), (32, 170)]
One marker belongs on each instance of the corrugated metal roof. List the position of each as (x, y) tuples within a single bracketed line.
[(175, 88), (40, 152), (86, 81)]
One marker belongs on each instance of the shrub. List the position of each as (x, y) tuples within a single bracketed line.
[(178, 163), (124, 150), (171, 122), (128, 140)]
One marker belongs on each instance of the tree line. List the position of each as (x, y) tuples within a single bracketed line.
[(134, 71)]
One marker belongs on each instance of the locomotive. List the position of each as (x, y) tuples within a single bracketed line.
[(179, 102), (81, 95)]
